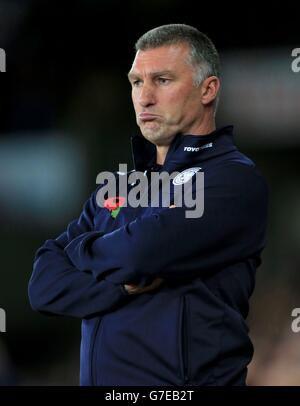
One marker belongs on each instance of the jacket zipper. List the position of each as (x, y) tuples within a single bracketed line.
[(184, 340), (92, 351)]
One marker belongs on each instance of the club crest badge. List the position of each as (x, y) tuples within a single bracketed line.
[(185, 176)]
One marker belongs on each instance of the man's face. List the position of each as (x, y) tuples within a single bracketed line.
[(165, 99)]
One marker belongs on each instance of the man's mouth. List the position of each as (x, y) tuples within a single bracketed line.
[(147, 116)]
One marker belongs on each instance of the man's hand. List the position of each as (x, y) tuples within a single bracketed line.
[(135, 289)]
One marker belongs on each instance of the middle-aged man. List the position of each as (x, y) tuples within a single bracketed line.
[(163, 297)]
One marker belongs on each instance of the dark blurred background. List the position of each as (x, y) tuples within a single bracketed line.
[(66, 115)]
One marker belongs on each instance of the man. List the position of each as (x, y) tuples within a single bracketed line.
[(163, 298)]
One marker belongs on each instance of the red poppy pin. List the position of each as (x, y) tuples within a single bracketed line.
[(114, 204)]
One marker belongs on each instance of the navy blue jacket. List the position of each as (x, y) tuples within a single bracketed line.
[(192, 329)]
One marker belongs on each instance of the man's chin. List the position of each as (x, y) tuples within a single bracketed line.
[(158, 135), (158, 139), (152, 136)]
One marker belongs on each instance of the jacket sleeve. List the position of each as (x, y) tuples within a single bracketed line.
[(169, 245), (57, 287)]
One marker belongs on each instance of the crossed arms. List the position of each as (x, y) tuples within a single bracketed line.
[(82, 272)]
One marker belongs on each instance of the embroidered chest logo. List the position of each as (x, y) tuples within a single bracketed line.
[(185, 176), (196, 149)]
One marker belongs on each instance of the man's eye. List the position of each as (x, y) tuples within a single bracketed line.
[(163, 81), (136, 82)]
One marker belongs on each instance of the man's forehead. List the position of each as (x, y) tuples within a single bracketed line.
[(165, 58)]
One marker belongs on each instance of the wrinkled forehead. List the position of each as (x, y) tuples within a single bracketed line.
[(164, 58)]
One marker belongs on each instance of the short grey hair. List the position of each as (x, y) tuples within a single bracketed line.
[(203, 55)]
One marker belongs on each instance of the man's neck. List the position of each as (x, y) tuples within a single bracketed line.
[(161, 153)]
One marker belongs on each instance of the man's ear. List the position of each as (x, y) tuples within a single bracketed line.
[(210, 88)]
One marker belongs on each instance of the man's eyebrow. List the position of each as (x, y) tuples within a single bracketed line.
[(132, 75)]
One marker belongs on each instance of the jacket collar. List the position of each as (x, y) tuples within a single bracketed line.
[(185, 150)]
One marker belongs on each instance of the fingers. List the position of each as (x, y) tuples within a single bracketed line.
[(131, 289), (135, 289)]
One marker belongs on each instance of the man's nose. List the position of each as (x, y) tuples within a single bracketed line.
[(146, 96)]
